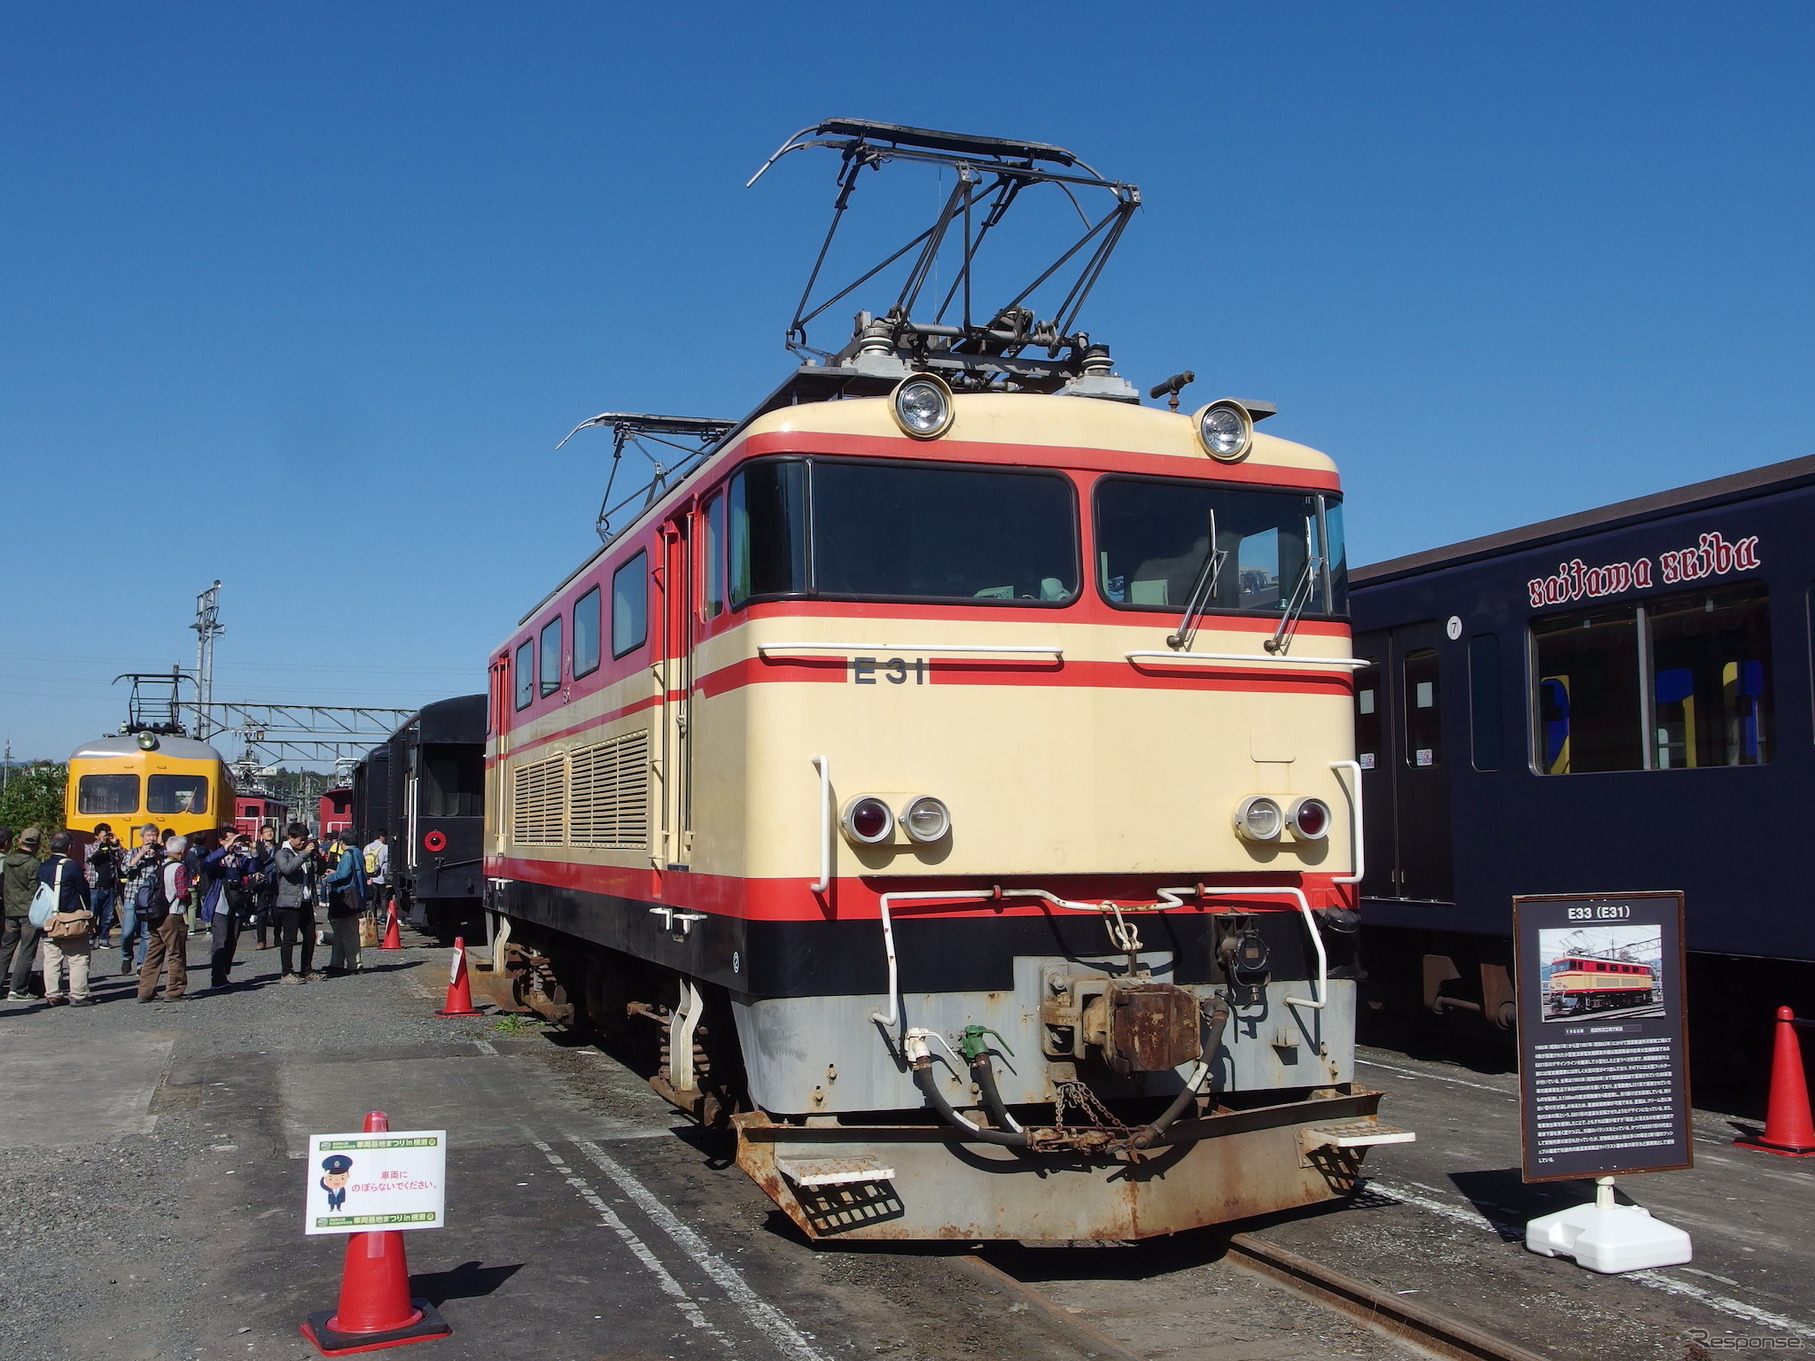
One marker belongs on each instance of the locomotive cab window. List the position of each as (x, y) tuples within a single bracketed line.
[(453, 784), (100, 795), (1272, 549), (551, 657), (586, 634), (177, 794), (902, 531), (630, 605), (525, 664)]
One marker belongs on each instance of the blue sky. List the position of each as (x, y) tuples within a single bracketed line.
[(302, 297)]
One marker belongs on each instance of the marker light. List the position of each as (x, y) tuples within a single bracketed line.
[(926, 819), (1310, 819), (922, 406), (1226, 431), (1258, 818), (867, 820)]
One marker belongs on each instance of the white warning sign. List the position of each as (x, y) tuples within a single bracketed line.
[(367, 1183)]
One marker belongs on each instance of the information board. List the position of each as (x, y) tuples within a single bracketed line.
[(367, 1183), (1603, 1070)]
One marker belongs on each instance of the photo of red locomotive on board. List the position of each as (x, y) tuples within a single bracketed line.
[(1606, 968)]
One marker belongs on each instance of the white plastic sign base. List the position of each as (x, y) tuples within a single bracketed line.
[(1608, 1238)]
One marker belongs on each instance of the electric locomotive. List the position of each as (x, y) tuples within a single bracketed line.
[(949, 770), (151, 771)]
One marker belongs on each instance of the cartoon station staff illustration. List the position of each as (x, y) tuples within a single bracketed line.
[(337, 1169)]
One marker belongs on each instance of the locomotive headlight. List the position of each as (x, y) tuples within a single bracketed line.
[(922, 406), (926, 819), (867, 820), (1225, 430), (1259, 819), (148, 741), (1310, 819)]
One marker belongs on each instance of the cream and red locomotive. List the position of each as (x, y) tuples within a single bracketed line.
[(951, 773)]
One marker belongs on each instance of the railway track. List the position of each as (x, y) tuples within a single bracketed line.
[(1381, 1311)]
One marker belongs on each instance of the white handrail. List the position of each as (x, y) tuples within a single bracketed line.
[(826, 845), (1355, 822), (796, 649), (1304, 908), (1268, 659), (1169, 898)]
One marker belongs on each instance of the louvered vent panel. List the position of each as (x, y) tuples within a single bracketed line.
[(537, 799), (608, 794)]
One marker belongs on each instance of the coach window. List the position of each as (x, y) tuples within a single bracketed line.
[(630, 605), (551, 656), (1710, 656), (1423, 718), (177, 794), (1484, 722), (586, 634), (526, 674), (100, 795), (712, 560), (1588, 694)]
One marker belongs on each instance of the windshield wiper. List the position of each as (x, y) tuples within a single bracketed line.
[(1295, 606), (1201, 591)]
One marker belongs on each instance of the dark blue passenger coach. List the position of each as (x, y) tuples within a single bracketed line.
[(1613, 701)]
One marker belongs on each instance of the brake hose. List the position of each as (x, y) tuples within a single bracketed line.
[(920, 1059)]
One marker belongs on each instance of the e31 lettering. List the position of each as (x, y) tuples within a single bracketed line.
[(894, 670)]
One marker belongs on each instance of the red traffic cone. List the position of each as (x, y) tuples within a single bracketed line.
[(459, 992), (1789, 1132), (376, 1310), (392, 939)]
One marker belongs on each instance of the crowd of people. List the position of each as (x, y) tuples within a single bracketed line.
[(295, 893)]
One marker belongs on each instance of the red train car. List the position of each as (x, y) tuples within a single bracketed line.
[(335, 812), (252, 812)]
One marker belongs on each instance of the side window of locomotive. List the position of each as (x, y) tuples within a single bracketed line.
[(1367, 717), (526, 674), (1154, 536), (912, 532), (1423, 715), (1711, 669), (630, 605), (1586, 704), (551, 656), (712, 560), (767, 531), (176, 794), (586, 634), (100, 795), (1485, 725)]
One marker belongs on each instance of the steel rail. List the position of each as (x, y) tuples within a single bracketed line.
[(1392, 1314), (1386, 1313)]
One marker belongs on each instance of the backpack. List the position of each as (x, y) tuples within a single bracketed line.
[(371, 862), (148, 898)]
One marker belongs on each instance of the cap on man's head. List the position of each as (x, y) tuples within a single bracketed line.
[(31, 836), (336, 1162)]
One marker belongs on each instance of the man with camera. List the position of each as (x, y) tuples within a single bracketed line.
[(294, 908), (105, 860), (232, 865)]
